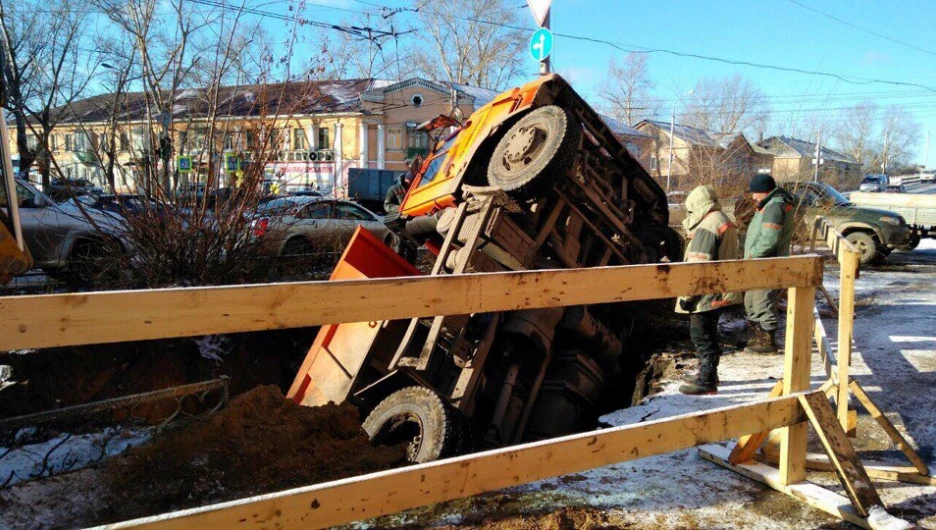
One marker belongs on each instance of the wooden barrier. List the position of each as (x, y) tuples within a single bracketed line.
[(92, 318), (839, 384), (382, 493), (54, 320)]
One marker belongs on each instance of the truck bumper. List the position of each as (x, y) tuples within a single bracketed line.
[(897, 237)]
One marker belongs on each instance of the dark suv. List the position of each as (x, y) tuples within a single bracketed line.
[(875, 232)]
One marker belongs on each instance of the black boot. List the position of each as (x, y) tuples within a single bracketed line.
[(692, 378), (698, 388)]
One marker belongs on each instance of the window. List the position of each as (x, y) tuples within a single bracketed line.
[(249, 139), (418, 140), (124, 142), (299, 140), (653, 162), (317, 210), (394, 140), (68, 142), (323, 140), (228, 141), (32, 142), (25, 197), (353, 213)]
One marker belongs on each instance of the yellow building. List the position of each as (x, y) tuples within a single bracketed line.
[(312, 132)]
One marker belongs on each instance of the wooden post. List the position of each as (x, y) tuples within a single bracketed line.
[(849, 261), (796, 371)]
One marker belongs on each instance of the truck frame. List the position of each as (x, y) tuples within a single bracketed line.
[(532, 180)]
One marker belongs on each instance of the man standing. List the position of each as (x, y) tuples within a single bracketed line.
[(769, 235), (397, 192), (712, 236)]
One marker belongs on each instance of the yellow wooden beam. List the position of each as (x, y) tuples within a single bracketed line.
[(364, 497), (90, 318), (799, 333)]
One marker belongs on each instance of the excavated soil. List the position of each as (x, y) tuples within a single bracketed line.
[(563, 519), (260, 443)]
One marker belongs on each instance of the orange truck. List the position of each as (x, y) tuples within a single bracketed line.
[(533, 180)]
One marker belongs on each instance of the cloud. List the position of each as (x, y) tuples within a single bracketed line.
[(876, 57)]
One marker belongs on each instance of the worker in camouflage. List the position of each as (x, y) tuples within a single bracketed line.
[(712, 236), (769, 235), (397, 192)]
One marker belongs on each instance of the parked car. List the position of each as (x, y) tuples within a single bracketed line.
[(62, 189), (875, 232), (123, 204), (62, 239), (874, 183), (298, 225), (928, 175)]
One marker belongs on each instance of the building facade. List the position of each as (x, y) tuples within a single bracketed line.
[(307, 135)]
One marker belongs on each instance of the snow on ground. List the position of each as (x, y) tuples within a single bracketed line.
[(65, 452), (894, 360)]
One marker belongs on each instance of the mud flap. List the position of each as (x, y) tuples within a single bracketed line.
[(339, 352)]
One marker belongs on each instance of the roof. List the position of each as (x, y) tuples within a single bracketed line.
[(784, 146), (622, 129), (476, 96), (687, 133), (296, 97)]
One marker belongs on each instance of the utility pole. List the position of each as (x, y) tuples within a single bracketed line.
[(884, 157), (818, 153), (545, 66), (672, 128), (926, 151)]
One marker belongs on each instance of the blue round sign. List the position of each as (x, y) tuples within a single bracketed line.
[(541, 44)]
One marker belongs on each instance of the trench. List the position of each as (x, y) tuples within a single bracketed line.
[(259, 443)]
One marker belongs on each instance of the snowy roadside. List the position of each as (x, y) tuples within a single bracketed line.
[(894, 360)]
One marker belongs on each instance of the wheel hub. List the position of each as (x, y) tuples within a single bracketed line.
[(522, 145)]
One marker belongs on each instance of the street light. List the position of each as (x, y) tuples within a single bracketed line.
[(672, 127)]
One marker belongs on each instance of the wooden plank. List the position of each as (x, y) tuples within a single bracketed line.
[(854, 479), (747, 446), (89, 318), (825, 352), (813, 495), (352, 499), (846, 321), (909, 474), (889, 428), (800, 307)]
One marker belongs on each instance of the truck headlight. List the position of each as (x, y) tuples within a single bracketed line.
[(891, 220)]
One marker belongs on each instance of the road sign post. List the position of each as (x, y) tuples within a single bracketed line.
[(184, 164), (541, 43)]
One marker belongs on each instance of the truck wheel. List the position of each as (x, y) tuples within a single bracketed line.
[(914, 241), (660, 242), (420, 418), (534, 149), (868, 247)]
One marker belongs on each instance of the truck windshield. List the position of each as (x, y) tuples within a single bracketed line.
[(436, 164)]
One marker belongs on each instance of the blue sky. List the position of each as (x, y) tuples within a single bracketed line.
[(777, 32)]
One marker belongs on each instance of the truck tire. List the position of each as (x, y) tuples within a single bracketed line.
[(914, 240), (535, 149), (419, 417), (865, 243)]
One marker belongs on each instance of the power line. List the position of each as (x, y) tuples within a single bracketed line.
[(860, 28), (631, 48)]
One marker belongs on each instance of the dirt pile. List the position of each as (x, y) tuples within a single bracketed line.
[(260, 443)]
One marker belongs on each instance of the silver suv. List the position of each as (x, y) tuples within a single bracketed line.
[(62, 239), (874, 183)]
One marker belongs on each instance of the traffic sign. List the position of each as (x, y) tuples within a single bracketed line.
[(184, 164), (540, 9), (541, 44), (230, 162)]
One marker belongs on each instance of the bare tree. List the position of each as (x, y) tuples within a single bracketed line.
[(356, 55), (461, 45), (627, 88), (727, 105), (855, 133), (44, 69)]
